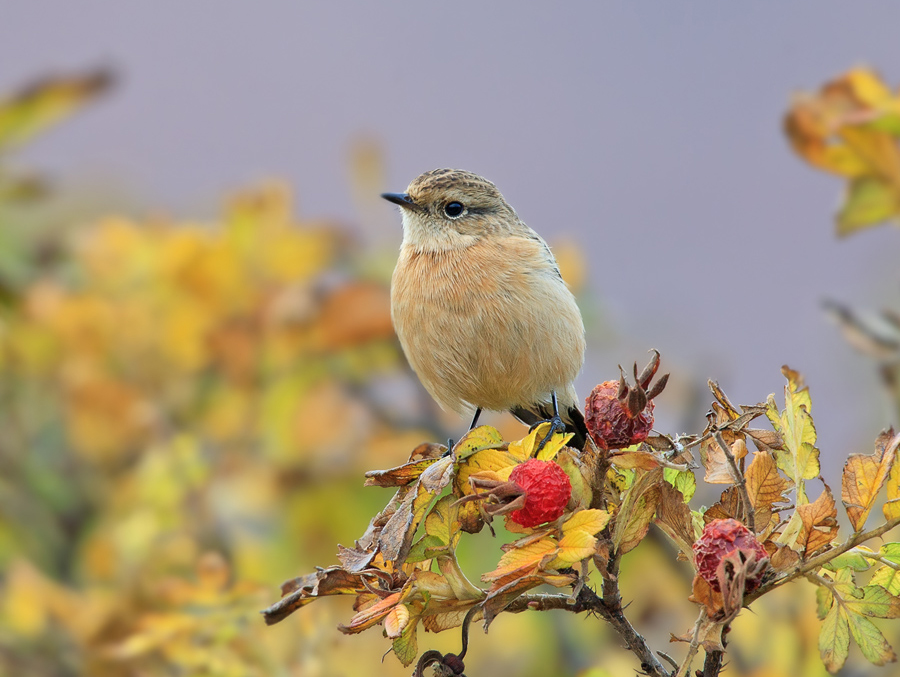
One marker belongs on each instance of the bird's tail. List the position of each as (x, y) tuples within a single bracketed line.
[(571, 415)]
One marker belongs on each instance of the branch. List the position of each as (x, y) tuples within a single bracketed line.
[(694, 646), (610, 611), (712, 666), (817, 562), (739, 481)]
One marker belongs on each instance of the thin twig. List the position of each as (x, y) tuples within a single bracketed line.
[(609, 608), (817, 562), (739, 481), (880, 558), (694, 646)]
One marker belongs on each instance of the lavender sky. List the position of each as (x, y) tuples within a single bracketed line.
[(647, 131)]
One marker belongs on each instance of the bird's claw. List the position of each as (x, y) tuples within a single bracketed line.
[(556, 426)]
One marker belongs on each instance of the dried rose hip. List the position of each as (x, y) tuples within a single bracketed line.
[(618, 414), (724, 538)]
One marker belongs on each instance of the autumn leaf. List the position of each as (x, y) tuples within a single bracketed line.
[(799, 459), (395, 539), (45, 102), (634, 458), (819, 524), (526, 559), (683, 480), (588, 521), (404, 646), (864, 475), (399, 476), (764, 485), (526, 448), (850, 128), (849, 617), (637, 510), (674, 517), (718, 468), (834, 638), (482, 437), (891, 507), (573, 547), (301, 591)]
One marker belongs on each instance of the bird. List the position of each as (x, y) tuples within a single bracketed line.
[(480, 307)]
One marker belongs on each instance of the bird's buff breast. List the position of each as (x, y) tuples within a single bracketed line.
[(487, 326)]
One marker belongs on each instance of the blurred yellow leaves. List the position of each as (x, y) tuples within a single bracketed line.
[(171, 392), (851, 127), (165, 318)]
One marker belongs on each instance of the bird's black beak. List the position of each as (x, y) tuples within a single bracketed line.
[(402, 199)]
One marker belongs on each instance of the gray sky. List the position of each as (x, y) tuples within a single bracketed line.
[(649, 131)]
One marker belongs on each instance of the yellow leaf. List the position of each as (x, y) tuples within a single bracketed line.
[(799, 459), (477, 439), (493, 460), (863, 476), (525, 559), (45, 102), (588, 521), (573, 547)]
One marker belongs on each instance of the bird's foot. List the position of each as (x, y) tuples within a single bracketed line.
[(449, 448), (556, 426)]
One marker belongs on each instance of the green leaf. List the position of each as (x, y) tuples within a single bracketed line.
[(891, 552), (427, 547), (834, 638), (888, 578), (870, 640), (853, 559), (870, 200), (683, 480), (440, 521), (876, 602), (405, 647), (482, 437), (824, 601)]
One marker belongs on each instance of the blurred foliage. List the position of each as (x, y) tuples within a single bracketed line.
[(186, 409), (851, 127)]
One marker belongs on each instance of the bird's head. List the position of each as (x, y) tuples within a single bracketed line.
[(451, 208)]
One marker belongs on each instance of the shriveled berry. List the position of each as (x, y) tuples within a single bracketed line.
[(721, 538), (618, 414), (547, 490)]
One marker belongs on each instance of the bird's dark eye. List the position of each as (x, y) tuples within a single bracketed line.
[(454, 209)]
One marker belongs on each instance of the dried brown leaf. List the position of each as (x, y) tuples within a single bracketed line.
[(637, 510), (673, 516), (765, 485), (819, 524)]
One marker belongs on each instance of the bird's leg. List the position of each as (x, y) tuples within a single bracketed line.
[(474, 423), (556, 423), (475, 420)]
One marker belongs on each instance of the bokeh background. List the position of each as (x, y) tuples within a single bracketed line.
[(197, 361)]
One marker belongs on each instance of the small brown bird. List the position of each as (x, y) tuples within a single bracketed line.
[(480, 307)]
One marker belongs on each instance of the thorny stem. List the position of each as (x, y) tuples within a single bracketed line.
[(812, 565), (712, 665), (739, 481), (608, 607)]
